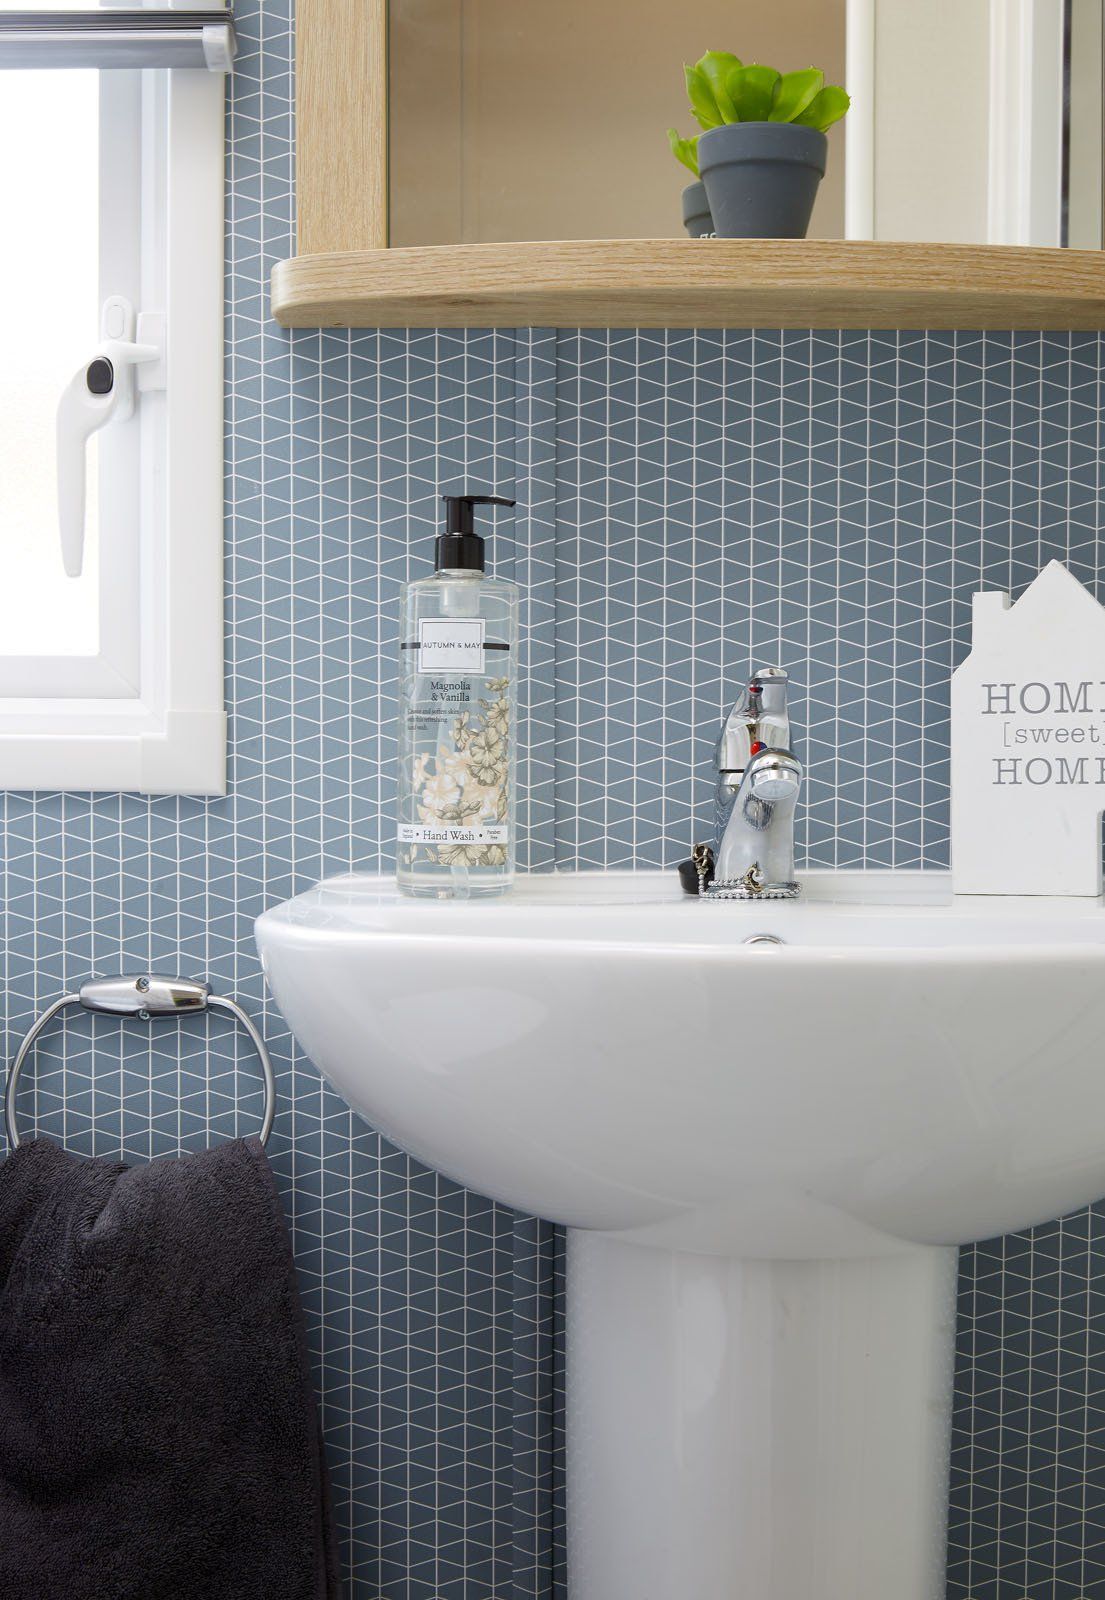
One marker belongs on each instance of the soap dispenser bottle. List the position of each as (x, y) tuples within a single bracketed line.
[(457, 732)]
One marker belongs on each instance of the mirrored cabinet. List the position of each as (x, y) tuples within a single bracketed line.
[(504, 162)]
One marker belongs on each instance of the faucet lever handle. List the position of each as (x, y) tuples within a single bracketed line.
[(759, 719), (774, 717)]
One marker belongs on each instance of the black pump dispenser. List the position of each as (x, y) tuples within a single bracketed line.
[(460, 547)]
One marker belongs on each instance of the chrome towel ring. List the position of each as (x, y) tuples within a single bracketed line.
[(145, 997)]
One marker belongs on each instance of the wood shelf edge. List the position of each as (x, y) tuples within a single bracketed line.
[(696, 282)]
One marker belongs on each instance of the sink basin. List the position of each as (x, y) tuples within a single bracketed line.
[(766, 1126), (608, 1053)]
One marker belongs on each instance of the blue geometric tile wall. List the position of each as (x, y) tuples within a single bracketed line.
[(691, 504), (1028, 1443)]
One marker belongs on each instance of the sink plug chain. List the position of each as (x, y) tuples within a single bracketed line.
[(750, 887), (753, 886), (697, 877), (703, 858)]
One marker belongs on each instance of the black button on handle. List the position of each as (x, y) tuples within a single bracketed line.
[(100, 376)]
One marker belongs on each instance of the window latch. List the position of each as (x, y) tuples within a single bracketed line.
[(102, 391)]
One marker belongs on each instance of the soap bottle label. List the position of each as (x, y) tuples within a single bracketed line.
[(446, 645), (494, 833), (459, 732)]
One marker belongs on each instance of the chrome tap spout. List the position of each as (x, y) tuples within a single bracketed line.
[(758, 782)]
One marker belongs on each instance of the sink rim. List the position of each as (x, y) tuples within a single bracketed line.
[(870, 911), (660, 885)]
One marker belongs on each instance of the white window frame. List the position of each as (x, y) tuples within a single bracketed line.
[(165, 733)]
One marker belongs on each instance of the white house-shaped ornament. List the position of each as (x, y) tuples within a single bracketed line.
[(1028, 743)]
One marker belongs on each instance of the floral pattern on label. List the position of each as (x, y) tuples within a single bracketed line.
[(465, 782)]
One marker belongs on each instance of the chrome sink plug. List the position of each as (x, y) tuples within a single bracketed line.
[(758, 781)]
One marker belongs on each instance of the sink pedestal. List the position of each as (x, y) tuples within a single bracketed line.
[(769, 1422), (757, 1430)]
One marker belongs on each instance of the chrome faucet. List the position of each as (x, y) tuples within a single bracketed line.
[(758, 779)]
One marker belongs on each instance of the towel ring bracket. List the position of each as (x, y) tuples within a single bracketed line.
[(147, 997)]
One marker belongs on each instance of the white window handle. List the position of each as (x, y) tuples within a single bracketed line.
[(102, 391)]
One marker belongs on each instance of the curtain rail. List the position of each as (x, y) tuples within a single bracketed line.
[(117, 38)]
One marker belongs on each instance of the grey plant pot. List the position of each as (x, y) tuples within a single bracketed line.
[(761, 178), (696, 212)]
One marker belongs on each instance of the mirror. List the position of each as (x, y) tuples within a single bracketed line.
[(521, 119), (972, 120)]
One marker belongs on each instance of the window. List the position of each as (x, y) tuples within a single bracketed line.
[(111, 176)]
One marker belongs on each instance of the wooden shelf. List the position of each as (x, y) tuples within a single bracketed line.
[(709, 283)]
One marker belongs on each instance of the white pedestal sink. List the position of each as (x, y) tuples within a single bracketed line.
[(766, 1155)]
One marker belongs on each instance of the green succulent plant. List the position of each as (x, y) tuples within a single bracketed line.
[(685, 150), (722, 90)]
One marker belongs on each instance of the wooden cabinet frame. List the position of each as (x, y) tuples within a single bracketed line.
[(344, 275), (341, 125)]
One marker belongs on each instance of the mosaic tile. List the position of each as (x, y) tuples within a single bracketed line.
[(692, 504)]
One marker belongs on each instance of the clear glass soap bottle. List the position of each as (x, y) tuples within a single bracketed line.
[(457, 710)]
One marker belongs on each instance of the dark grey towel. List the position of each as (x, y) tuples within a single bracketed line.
[(158, 1433)]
